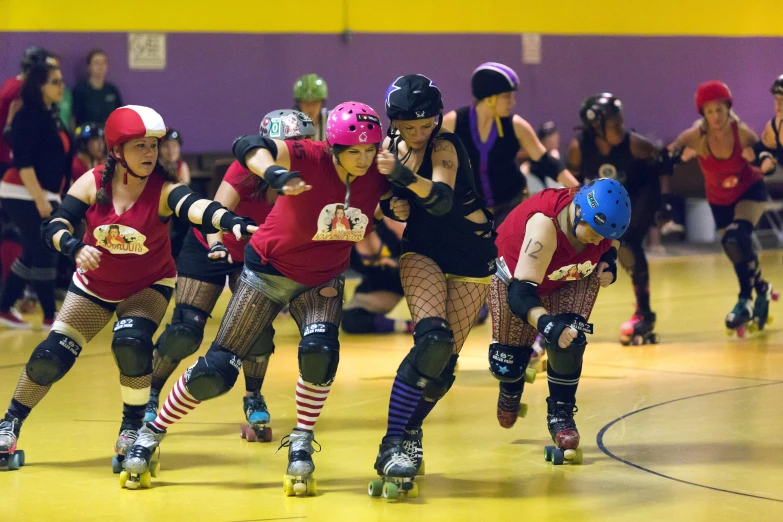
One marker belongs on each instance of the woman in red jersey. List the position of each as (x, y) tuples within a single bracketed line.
[(736, 193), (557, 247), (130, 197), (293, 258)]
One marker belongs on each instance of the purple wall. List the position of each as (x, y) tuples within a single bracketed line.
[(218, 86)]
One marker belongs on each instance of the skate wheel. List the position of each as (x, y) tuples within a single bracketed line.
[(21, 457), (576, 456), (154, 469), (548, 453), (770, 319), (145, 480), (123, 478), (375, 488), (390, 490), (300, 488), (775, 295), (530, 375), (242, 432), (420, 471), (753, 326), (288, 486), (522, 410), (311, 487), (267, 434), (14, 462), (741, 332), (638, 340), (414, 491), (557, 457), (116, 464), (625, 341)]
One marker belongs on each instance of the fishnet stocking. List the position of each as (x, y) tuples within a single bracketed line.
[(248, 312), (320, 304), (425, 287), (198, 293), (29, 393), (575, 297), (464, 303), (254, 374), (233, 279)]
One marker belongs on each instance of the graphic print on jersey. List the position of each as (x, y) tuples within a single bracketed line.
[(607, 170), (337, 223), (573, 272), (119, 239)]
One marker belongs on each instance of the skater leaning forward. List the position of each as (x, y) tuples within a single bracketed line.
[(329, 193), (736, 193), (556, 249), (124, 265)]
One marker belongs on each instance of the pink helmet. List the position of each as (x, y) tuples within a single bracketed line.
[(353, 123)]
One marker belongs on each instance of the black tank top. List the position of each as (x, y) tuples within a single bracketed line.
[(778, 144), (495, 172), (619, 164)]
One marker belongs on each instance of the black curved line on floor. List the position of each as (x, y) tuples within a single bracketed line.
[(675, 372), (600, 442)]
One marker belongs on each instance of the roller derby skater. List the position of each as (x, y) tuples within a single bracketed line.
[(557, 248), (736, 193), (770, 138), (448, 256), (605, 149), (298, 479), (124, 266), (300, 266)]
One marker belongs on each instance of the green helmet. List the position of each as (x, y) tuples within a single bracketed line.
[(310, 87)]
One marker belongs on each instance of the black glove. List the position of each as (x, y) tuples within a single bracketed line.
[(552, 326), (228, 220), (218, 246), (70, 245)]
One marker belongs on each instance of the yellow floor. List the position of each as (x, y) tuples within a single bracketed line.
[(685, 430)]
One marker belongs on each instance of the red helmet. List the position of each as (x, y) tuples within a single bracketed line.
[(132, 122), (711, 91), (353, 123)]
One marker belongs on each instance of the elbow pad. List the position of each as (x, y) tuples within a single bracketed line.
[(245, 144), (523, 297), (440, 199), (550, 166)]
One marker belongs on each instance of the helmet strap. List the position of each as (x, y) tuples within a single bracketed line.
[(577, 218), (347, 190), (121, 160)]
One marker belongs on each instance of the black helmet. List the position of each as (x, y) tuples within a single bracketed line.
[(777, 87), (413, 97), (492, 78), (36, 56), (85, 132), (546, 129), (172, 134), (599, 108)]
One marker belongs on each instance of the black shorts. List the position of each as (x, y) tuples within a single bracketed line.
[(473, 257), (193, 263), (380, 280), (724, 214)]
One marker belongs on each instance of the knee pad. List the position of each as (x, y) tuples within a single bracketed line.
[(358, 321), (263, 346), (438, 387), (132, 345), (569, 360), (183, 336), (52, 359), (738, 241), (433, 345), (214, 374), (508, 363), (319, 353)]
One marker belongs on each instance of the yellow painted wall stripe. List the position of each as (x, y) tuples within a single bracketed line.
[(608, 17)]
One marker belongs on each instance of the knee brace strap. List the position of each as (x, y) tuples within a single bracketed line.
[(319, 353)]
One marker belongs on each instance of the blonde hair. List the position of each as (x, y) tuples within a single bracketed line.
[(701, 147)]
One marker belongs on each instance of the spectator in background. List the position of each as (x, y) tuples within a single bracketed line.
[(30, 188), (171, 158), (95, 98), (89, 147), (10, 101)]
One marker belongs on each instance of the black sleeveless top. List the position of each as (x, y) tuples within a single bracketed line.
[(778, 144), (495, 172), (619, 164), (451, 239)]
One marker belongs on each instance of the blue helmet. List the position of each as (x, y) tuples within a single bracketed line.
[(605, 206)]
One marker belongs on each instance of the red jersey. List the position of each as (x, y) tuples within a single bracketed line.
[(255, 209), (78, 168), (298, 238), (10, 91), (566, 264), (135, 246), (726, 180)]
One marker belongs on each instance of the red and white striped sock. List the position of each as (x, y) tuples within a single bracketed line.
[(310, 400), (178, 404)]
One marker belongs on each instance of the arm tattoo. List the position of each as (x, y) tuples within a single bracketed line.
[(449, 165), (538, 247), (443, 145)]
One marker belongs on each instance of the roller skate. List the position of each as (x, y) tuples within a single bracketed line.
[(537, 362), (125, 440), (562, 428), (739, 317), (257, 417), (151, 411), (411, 443), (761, 315), (141, 464), (299, 479), (638, 330), (11, 458), (396, 470), (509, 405)]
